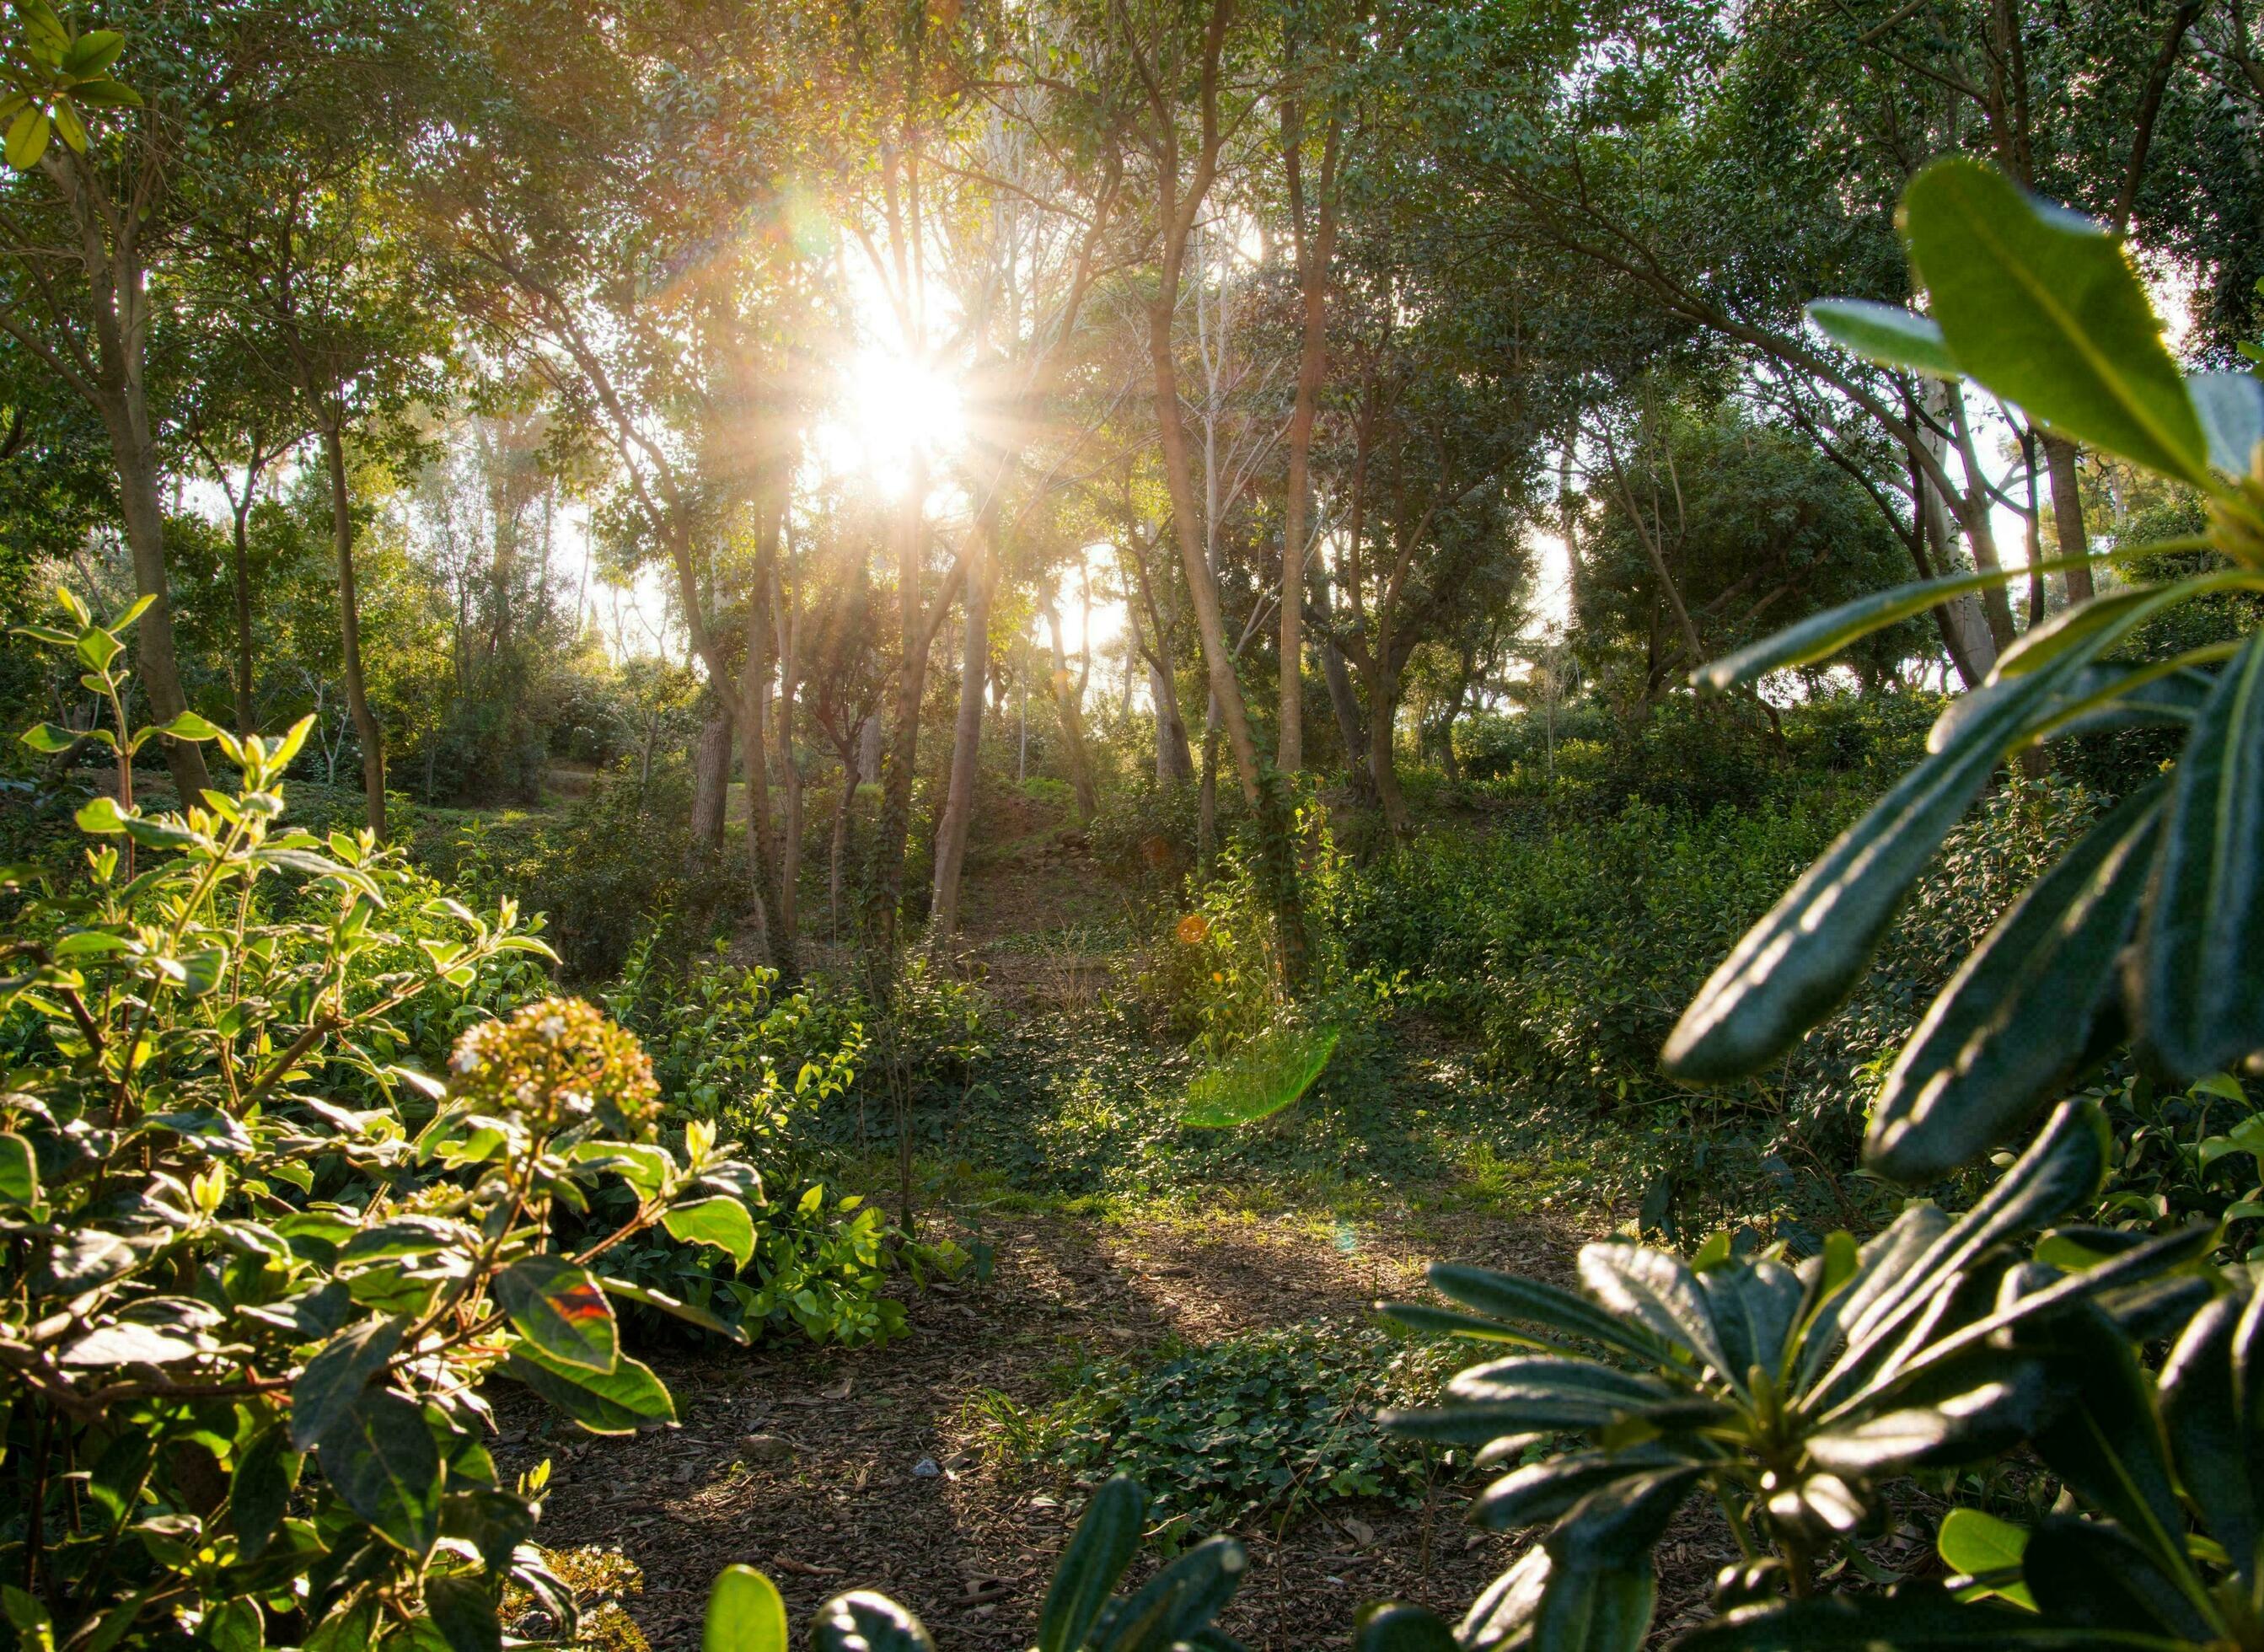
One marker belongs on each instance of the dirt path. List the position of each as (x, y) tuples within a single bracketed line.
[(971, 1549)]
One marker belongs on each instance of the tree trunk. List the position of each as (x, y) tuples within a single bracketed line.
[(786, 606), (1382, 760), (1345, 704), (364, 721), (775, 936), (136, 454), (1314, 250), (2068, 528), (246, 720), (711, 779), (966, 739), (884, 893), (1073, 721)]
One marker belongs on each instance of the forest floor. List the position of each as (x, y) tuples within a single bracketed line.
[(1104, 1242)]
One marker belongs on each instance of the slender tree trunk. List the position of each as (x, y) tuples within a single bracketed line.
[(966, 738), (1314, 250), (843, 811), (786, 605), (127, 414), (246, 719), (2068, 526), (1382, 760), (885, 894), (1073, 721), (776, 938), (364, 721)]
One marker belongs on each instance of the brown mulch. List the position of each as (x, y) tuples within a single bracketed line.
[(973, 1548)]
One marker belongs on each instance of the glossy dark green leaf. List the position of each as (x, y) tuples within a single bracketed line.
[(559, 1308), (863, 1621), (1754, 1307), (406, 1236), (2199, 978), (1916, 1618), (379, 1457), (335, 1378), (463, 1608), (2209, 1434), (1887, 334), (79, 1262), (617, 1401), (1447, 1322), (2108, 1445), (1972, 1408), (1881, 1264), (2088, 1573), (1593, 1609), (1520, 1302), (1531, 1396), (1106, 1538), (1614, 1528), (744, 1614), (19, 1173), (260, 1490), (1544, 1490), (2018, 1013), (1792, 968), (1657, 1290), (1396, 1626), (2044, 309), (1178, 1600)]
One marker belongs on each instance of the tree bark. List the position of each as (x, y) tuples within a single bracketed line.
[(1071, 715), (786, 606), (966, 737), (711, 779), (364, 721), (246, 721), (777, 935), (2068, 528), (1314, 247)]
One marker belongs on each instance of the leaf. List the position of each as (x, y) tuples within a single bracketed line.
[(100, 815), (1544, 1490), (93, 52), (379, 1457), (1916, 1618), (1614, 1528), (744, 1614), (1978, 1544), (2108, 1445), (79, 1262), (1514, 1300), (259, 1491), (2231, 406), (130, 1344), (106, 93), (1657, 1290), (19, 1174), (49, 738), (463, 1609), (2200, 975), (723, 1222), (2208, 1432), (864, 1621), (2089, 1574), (559, 1308), (1823, 635), (1265, 1075), (2019, 1013), (1396, 1626), (2042, 306), (1887, 334), (1591, 1609), (335, 1378), (1178, 1601), (188, 726), (1793, 967), (617, 1401), (688, 1312), (1106, 1540), (27, 138)]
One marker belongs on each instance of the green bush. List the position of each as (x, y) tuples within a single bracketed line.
[(279, 1198)]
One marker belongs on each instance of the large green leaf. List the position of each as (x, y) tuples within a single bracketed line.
[(1753, 1307), (1887, 334), (617, 1401), (721, 1221), (559, 1308), (2089, 1572), (1396, 1626), (1822, 635), (463, 1608), (692, 1314), (863, 1621), (1106, 1538), (1596, 1609), (259, 1490), (1517, 1302), (1657, 1290), (2208, 1432), (1792, 968), (1614, 1528), (2044, 309), (2200, 979), (2231, 410), (379, 1456), (2108, 1445), (744, 1614), (335, 1378), (1556, 1485), (2019, 1013), (1982, 1546), (1178, 1601)]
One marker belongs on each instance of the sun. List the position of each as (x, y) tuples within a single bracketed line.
[(889, 412)]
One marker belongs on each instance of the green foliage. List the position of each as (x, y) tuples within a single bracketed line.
[(265, 1255)]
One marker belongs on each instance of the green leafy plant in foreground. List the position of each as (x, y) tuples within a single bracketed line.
[(258, 1265)]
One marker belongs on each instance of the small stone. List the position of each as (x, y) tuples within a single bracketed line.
[(926, 1468), (766, 1448)]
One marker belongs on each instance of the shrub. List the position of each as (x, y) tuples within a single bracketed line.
[(262, 1255)]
